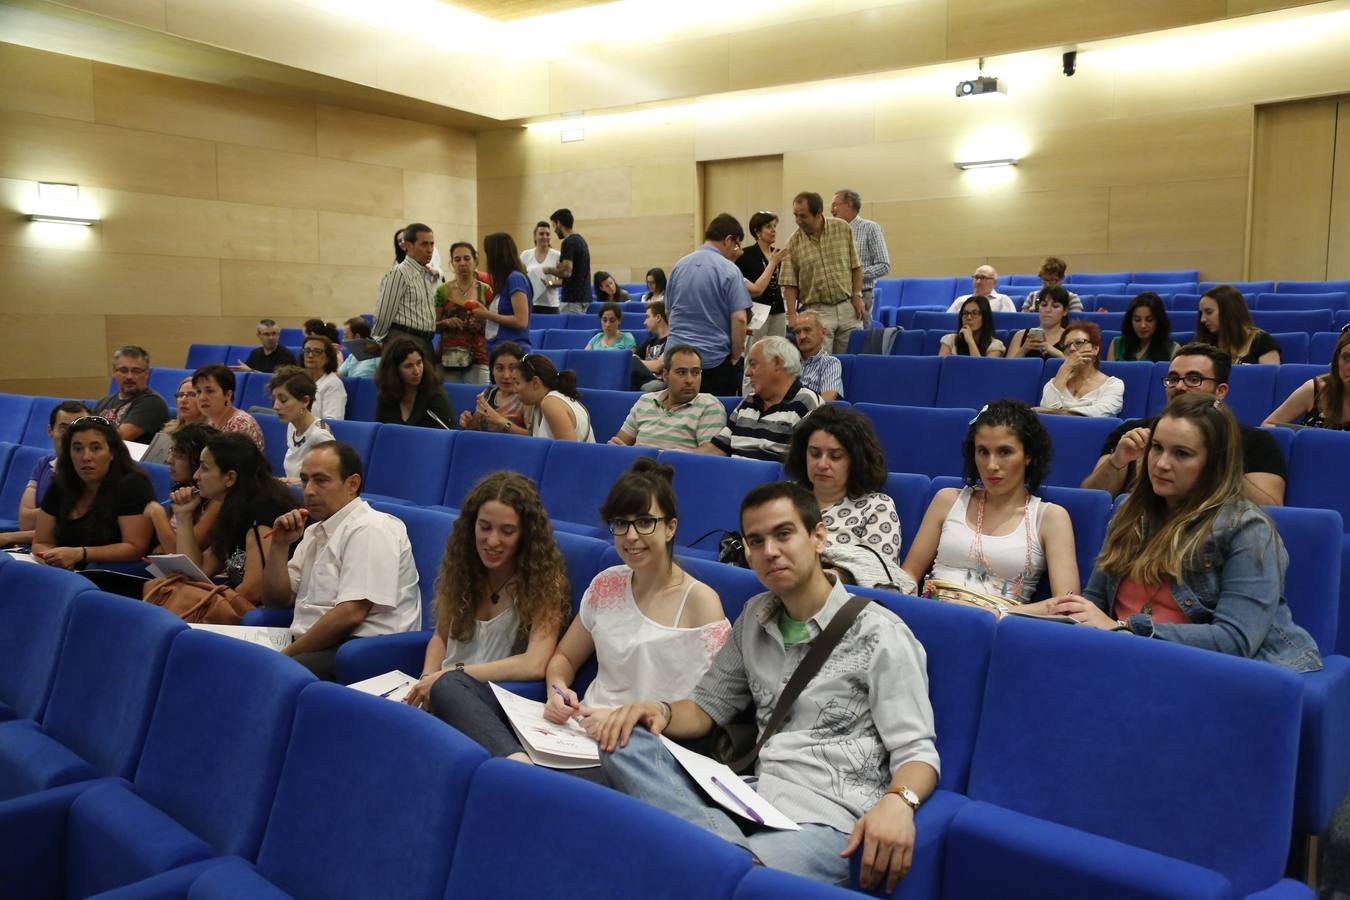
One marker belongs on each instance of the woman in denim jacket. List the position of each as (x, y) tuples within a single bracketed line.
[(1187, 558)]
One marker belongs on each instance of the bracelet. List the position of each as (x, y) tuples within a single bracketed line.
[(1116, 467), (85, 559), (665, 707), (1122, 626)]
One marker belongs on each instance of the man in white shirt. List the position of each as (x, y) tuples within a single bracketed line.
[(984, 283), (353, 574), (538, 258)]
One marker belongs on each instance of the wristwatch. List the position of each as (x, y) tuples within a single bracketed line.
[(905, 794)]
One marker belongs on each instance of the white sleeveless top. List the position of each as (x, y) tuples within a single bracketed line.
[(638, 658), (1006, 555), (583, 420), (492, 640)]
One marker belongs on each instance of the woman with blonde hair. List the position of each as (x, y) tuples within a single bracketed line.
[(1187, 558)]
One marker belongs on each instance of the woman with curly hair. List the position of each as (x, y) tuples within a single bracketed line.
[(501, 600), (835, 454), (995, 537), (409, 392)]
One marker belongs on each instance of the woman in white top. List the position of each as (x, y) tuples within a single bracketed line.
[(319, 355), (1080, 388), (656, 286), (997, 538), (836, 455), (293, 393), (536, 259), (501, 599), (652, 627), (556, 408)]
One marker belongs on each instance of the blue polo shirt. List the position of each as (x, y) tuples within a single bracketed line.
[(702, 292)]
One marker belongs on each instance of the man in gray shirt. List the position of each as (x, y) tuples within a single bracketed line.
[(857, 757), (876, 262)]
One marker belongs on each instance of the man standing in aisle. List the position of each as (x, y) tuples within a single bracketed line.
[(708, 305), (876, 262), (407, 301), (822, 270), (574, 264)]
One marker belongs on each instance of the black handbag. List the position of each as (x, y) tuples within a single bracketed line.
[(730, 547)]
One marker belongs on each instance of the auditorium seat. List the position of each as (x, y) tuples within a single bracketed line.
[(361, 395), (1109, 827), (926, 291), (1293, 346), (274, 442), (1321, 347), (608, 410), (564, 820), (907, 343), (360, 435), (909, 492), (235, 354), (1077, 442), (409, 464), (1162, 289), (35, 606), (1116, 303), (1278, 320), (577, 478), (715, 505), (165, 383), (1078, 278), (733, 584), (939, 451), (1332, 301), (932, 341), (428, 532), (160, 480), (1342, 319), (1246, 287), (479, 453), (14, 410), (1318, 478), (967, 381), (463, 397), (291, 337), (1110, 288), (1312, 287), (567, 339), (762, 883), (574, 322), (250, 389), (1290, 377), (199, 355), (20, 463), (1173, 277), (609, 370), (34, 432), (1187, 304), (1023, 283), (898, 380)]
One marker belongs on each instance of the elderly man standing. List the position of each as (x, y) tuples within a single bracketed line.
[(984, 283), (761, 426), (407, 301), (821, 372), (822, 270), (871, 243), (708, 305), (138, 412)]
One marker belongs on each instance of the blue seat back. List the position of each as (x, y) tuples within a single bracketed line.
[(574, 322), (165, 383), (160, 479), (1312, 287), (577, 478), (584, 557), (722, 482), (1116, 303), (608, 409), (1184, 306), (290, 337), (1103, 321), (1174, 277), (1251, 392), (389, 471), (1293, 346), (360, 435), (1162, 289), (428, 532), (1321, 347), (567, 339), (562, 820), (1246, 287), (1289, 377), (734, 585), (311, 848), (1077, 442), (932, 341), (21, 463), (968, 381), (608, 370), (1312, 586), (35, 425), (1318, 475), (219, 733), (927, 291), (104, 689), (1278, 320), (361, 396), (34, 611), (899, 380), (464, 397), (199, 355), (1248, 742), (909, 492), (14, 410), (478, 453), (943, 430), (1076, 278), (237, 353), (1021, 282), (1272, 300), (274, 441)]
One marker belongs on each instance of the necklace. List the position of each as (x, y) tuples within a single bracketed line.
[(1013, 590), (495, 595)]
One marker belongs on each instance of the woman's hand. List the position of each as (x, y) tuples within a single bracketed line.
[(63, 557), (419, 695), (185, 501), (488, 414), (468, 419), (481, 312), (1081, 610), (562, 704)]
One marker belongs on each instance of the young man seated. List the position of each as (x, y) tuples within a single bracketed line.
[(856, 756)]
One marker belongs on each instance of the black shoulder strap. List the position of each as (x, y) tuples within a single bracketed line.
[(820, 651)]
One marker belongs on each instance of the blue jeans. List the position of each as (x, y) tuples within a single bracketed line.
[(646, 770)]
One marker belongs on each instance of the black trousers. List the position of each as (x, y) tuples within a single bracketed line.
[(723, 380)]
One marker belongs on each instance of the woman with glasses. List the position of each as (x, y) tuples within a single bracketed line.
[(974, 335), (408, 391), (1324, 401), (1224, 321), (215, 397), (556, 409), (94, 511), (1047, 340), (184, 458), (321, 364), (500, 407), (656, 286), (293, 393), (1080, 388), (188, 413), (1145, 332)]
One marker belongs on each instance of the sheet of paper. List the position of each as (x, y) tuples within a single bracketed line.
[(727, 789), (175, 564), (273, 638), (137, 450), (556, 746), (759, 314), (391, 685), (23, 555)]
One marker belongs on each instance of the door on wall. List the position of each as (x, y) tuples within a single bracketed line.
[(1301, 191), (742, 187)]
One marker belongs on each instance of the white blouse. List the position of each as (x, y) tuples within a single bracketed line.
[(1104, 400), (296, 448), (581, 419), (493, 639), (331, 400)]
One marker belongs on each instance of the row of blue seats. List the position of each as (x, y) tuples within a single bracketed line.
[(1189, 303), (173, 762), (1309, 321), (893, 292)]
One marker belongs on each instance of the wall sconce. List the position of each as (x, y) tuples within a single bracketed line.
[(67, 196), (61, 220), (986, 163), (571, 135)]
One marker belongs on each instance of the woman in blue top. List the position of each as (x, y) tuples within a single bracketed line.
[(508, 315), (610, 337)]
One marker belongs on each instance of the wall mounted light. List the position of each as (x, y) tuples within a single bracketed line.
[(61, 220), (571, 135), (57, 199), (986, 163)]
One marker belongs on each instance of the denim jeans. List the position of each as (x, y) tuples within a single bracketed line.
[(646, 770)]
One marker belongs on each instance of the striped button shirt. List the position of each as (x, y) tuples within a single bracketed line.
[(685, 427), (407, 299), (822, 373), (876, 262), (821, 268), (757, 431)]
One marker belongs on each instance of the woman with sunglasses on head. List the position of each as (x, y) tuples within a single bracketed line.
[(94, 511), (1079, 387), (1324, 401), (556, 408), (185, 456), (321, 364), (500, 407), (293, 393), (408, 390)]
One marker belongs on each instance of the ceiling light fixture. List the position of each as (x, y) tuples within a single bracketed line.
[(987, 163)]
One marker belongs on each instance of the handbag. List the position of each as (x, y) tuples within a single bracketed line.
[(735, 743), (951, 591), (456, 357), (730, 547), (197, 603)]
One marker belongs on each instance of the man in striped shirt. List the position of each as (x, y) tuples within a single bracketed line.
[(679, 417), (761, 427), (407, 301), (876, 262)]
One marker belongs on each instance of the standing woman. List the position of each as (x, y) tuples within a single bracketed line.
[(293, 394), (462, 347), (656, 286), (1324, 401), (508, 316), (94, 510), (539, 257), (1225, 322), (185, 457), (321, 364), (1145, 332), (1080, 388), (234, 474), (1047, 341), (1187, 558), (759, 267), (215, 397), (557, 411), (609, 336), (501, 597), (500, 407), (974, 334), (408, 392), (835, 454), (995, 537)]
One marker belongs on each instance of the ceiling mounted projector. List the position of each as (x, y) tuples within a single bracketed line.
[(985, 84)]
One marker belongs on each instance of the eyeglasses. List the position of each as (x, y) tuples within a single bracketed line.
[(985, 277), (643, 524), (970, 313), (185, 395), (128, 371), (1081, 345), (313, 351), (1192, 379)]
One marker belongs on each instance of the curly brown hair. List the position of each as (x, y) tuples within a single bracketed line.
[(543, 592)]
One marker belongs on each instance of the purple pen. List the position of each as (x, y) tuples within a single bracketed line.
[(557, 690), (745, 807)]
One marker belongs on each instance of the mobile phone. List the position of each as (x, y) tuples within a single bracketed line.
[(1036, 334)]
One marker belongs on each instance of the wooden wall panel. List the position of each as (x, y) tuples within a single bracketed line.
[(387, 141), (167, 337), (44, 83), (442, 198), (51, 349), (148, 13), (1295, 147), (590, 194), (251, 175), (1179, 216), (91, 284), (743, 187), (617, 75), (1338, 242), (663, 189), (179, 226), (261, 289), (984, 27)]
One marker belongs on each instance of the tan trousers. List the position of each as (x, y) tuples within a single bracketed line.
[(838, 321)]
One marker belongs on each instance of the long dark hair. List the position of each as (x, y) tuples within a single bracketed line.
[(254, 482), (1018, 418), (189, 441), (536, 365), (1235, 321), (72, 487), (985, 335), (1160, 345), (387, 379), (499, 248)]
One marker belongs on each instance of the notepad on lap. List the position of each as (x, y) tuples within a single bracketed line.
[(175, 564), (556, 746), (727, 789), (391, 685), (275, 638)]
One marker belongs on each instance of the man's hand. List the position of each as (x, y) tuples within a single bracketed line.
[(858, 308), (614, 733), (289, 527), (886, 834)]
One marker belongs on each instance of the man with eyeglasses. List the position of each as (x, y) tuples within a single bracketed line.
[(270, 355), (678, 417), (1196, 368), (984, 283), (138, 412)]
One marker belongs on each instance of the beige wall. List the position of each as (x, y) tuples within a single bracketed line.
[(218, 207)]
